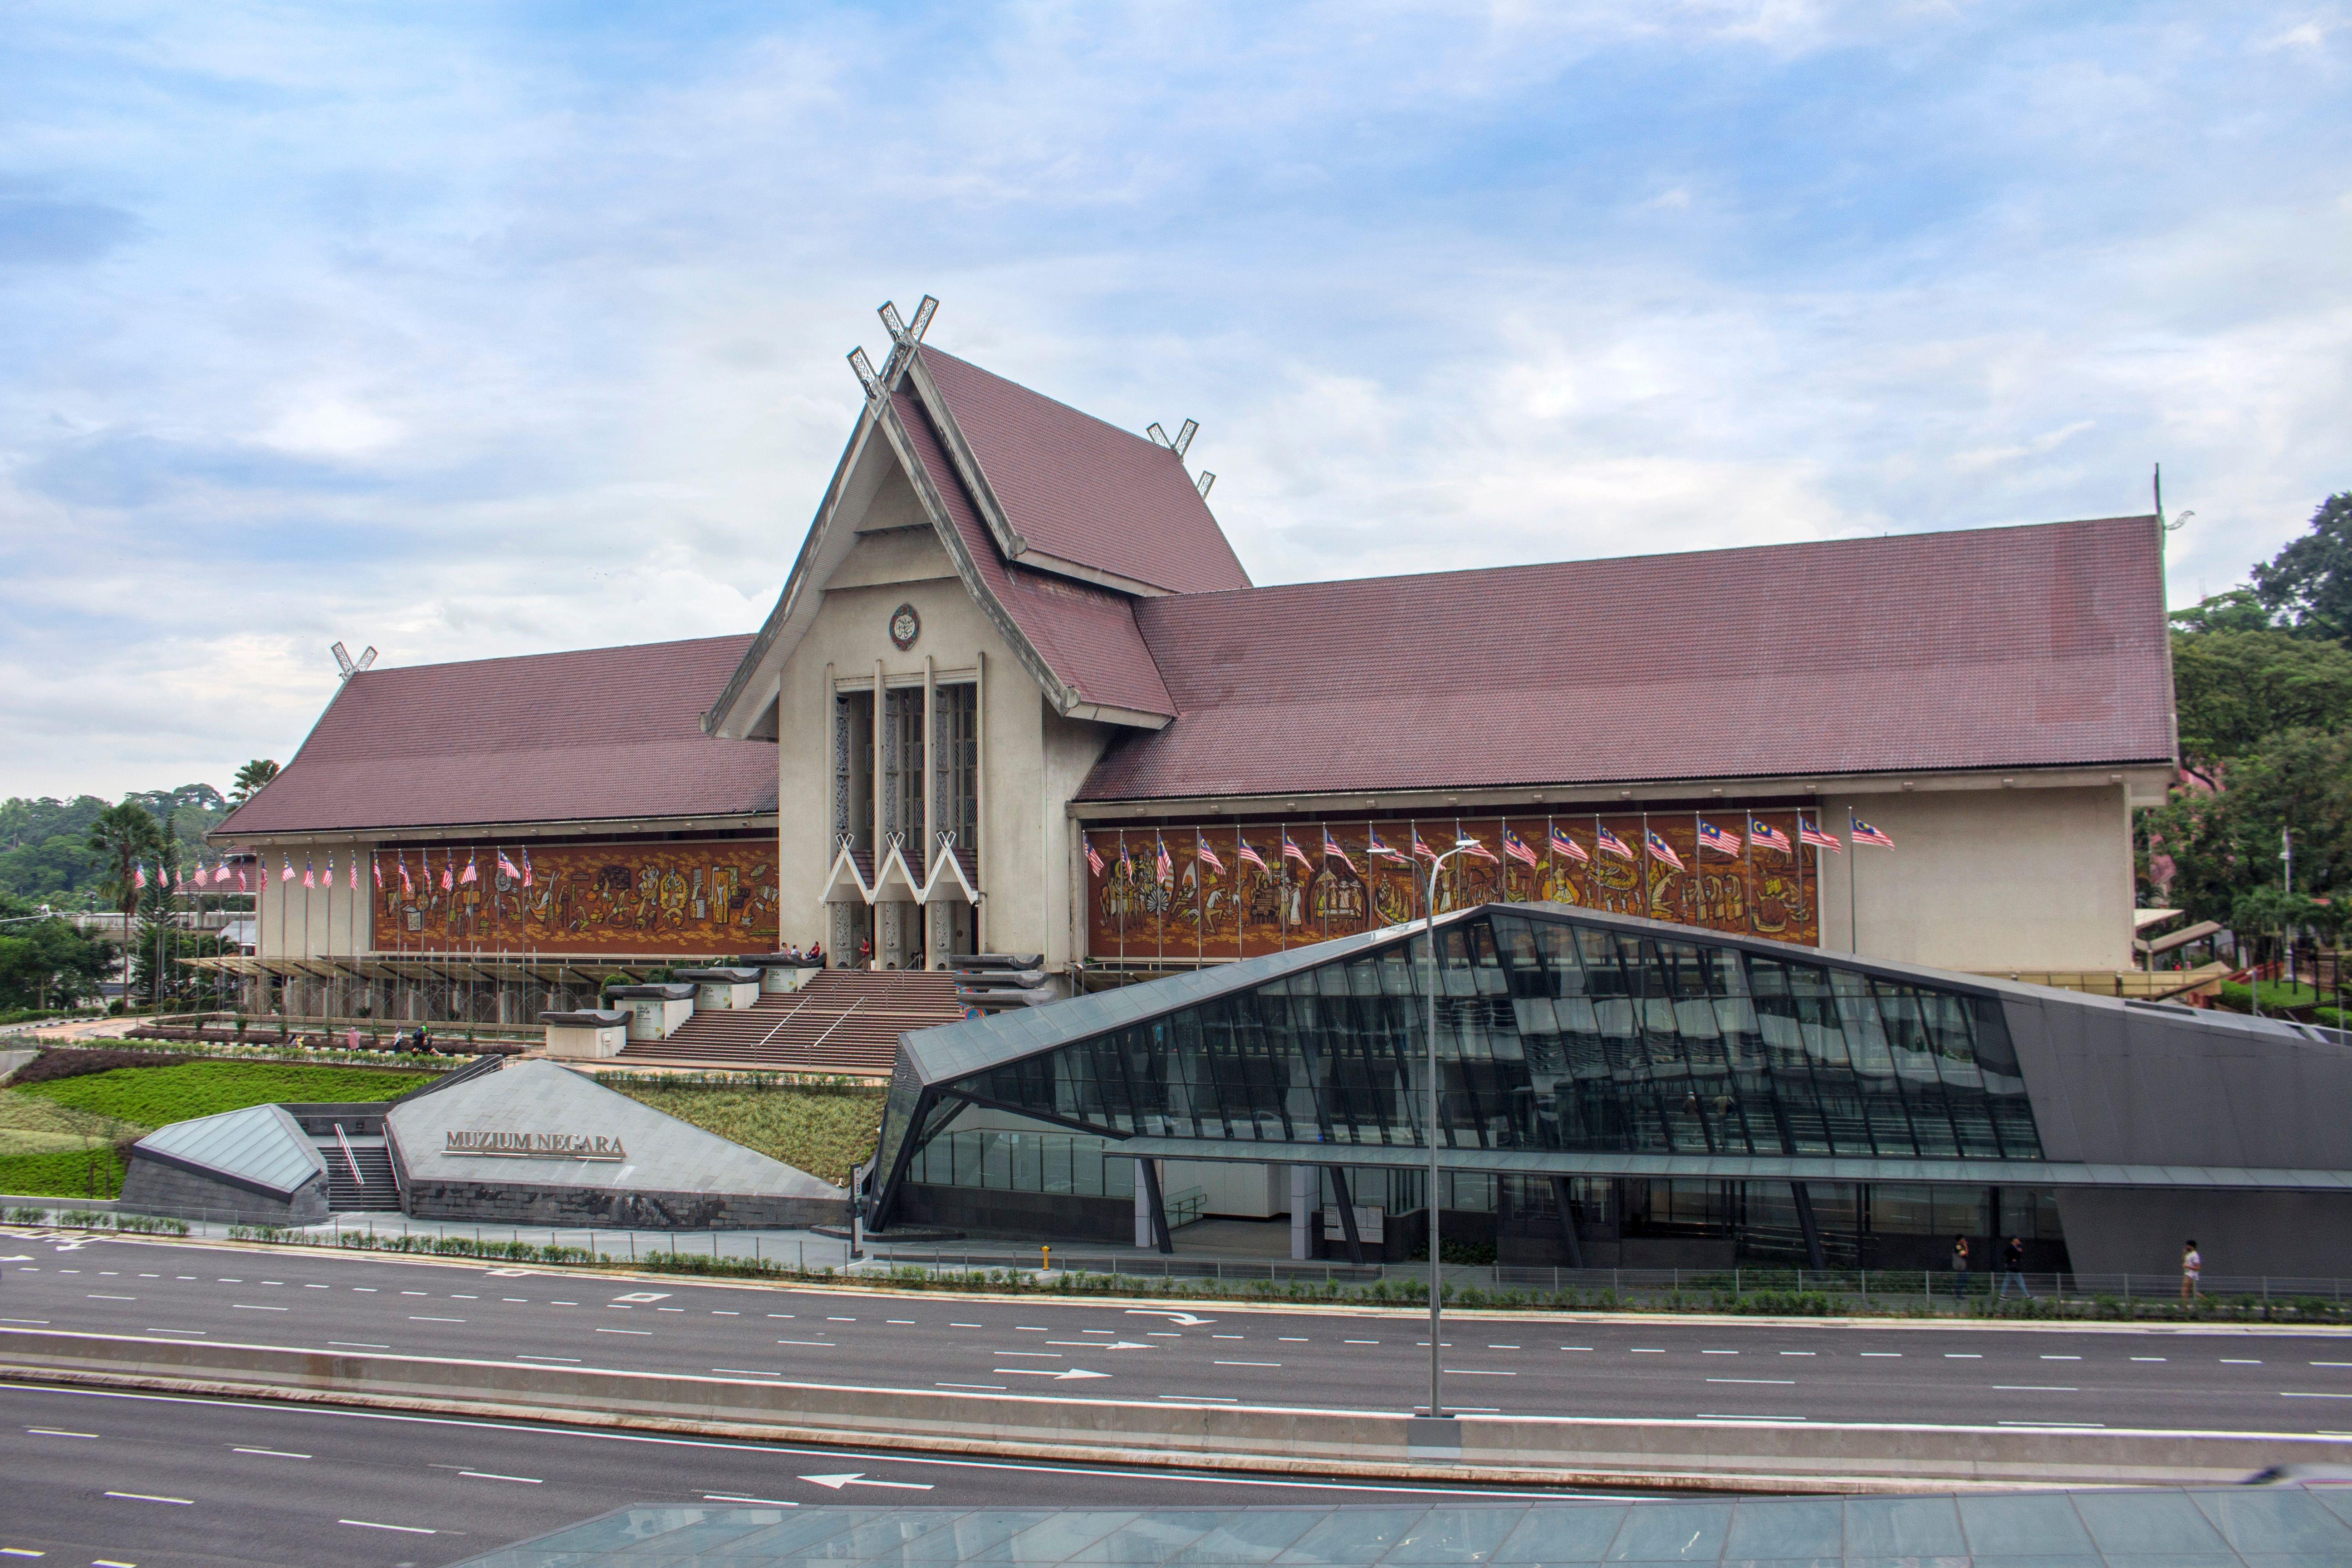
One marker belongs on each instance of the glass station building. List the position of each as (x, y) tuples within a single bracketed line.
[(1619, 1091)]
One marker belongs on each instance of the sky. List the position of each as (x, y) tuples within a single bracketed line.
[(464, 330)]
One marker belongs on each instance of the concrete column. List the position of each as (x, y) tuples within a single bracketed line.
[(1303, 1193)]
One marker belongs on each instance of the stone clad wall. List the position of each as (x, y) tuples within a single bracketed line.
[(492, 1202)]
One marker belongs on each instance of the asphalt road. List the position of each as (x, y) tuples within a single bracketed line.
[(1211, 1353), (139, 1481)]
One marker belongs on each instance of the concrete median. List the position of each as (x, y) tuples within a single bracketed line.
[(1517, 1450)]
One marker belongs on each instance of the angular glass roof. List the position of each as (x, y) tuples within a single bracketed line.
[(261, 1145), (2210, 1527)]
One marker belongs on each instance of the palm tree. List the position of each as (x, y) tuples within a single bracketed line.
[(250, 778), (122, 836)]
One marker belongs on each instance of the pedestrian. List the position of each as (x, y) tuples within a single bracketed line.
[(1961, 1268), (2012, 1267), (2192, 1264)]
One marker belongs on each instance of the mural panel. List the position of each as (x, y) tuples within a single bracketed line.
[(1269, 886), (712, 897)]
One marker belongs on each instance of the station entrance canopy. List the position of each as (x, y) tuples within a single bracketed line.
[(1578, 1043)]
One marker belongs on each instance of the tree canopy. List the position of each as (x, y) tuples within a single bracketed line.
[(2308, 585)]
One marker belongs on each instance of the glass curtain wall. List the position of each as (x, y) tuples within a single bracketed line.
[(1554, 1035)]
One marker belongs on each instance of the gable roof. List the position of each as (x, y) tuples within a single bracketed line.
[(2030, 646), (1079, 495), (592, 735)]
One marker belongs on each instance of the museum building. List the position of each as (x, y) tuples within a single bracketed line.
[(1018, 695)]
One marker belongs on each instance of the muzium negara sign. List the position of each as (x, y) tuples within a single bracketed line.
[(537, 1145)]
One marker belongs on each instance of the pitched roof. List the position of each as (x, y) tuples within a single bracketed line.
[(1087, 636), (597, 734), (2040, 646), (1080, 491)]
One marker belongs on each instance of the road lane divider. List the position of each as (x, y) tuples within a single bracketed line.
[(1193, 1432)]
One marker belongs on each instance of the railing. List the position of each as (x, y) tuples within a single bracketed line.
[(348, 1158), (1186, 1206)]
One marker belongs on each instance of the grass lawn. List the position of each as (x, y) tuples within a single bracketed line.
[(152, 1097), (826, 1133), (49, 1131)]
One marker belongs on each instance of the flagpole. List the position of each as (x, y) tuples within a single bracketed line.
[(1853, 910)]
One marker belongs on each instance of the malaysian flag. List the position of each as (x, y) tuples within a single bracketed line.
[(1250, 857), (1516, 849), (310, 877), (240, 880), (1166, 866), (329, 881), (1808, 833), (1094, 858), (1125, 865), (526, 866), (1206, 856), (1662, 850), (1762, 837), (1422, 851), (1293, 852), (288, 874), (1561, 843), (1610, 844), (1864, 833), (376, 864), (1710, 836), (1475, 848), (138, 873), (468, 876), (407, 887), (354, 874), (508, 868), (1331, 847), (449, 873), (1379, 851)]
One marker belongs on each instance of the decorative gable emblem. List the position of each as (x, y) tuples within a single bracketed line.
[(905, 628)]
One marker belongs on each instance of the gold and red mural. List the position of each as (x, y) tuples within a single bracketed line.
[(702, 898), (1214, 901)]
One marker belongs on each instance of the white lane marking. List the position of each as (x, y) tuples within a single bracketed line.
[(270, 1452), (35, 1322), (788, 1314), (843, 1321), (20, 1551), (625, 1331), (318, 1286), (248, 1307), (1476, 1372), (737, 1496), (1229, 1336), (1032, 1355), (525, 1301), (1030, 1328), (960, 1325), (1962, 1355), (96, 1297), (1202, 1398), (748, 1371), (720, 1312), (1502, 1347), (2238, 1360), (2061, 1358), (1783, 1381), (415, 1292), (150, 1497), (1718, 1352), (857, 1479), (1301, 1338), (529, 1356), (899, 1322), (821, 1345), (2086, 1426), (989, 1387), (175, 1331), (414, 1318), (357, 1345), (1246, 1363), (1718, 1415), (2034, 1388), (2331, 1363), (1157, 1334), (1800, 1353), (669, 1309), (2284, 1395), (403, 1529), (564, 1303), (57, 1431), (455, 1297), (1092, 1344), (1360, 1342), (2148, 1358), (366, 1289), (488, 1476)]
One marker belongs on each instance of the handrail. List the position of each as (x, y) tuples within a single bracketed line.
[(348, 1158)]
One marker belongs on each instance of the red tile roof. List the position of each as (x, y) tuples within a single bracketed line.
[(1084, 490), (593, 735), (1994, 648), (1085, 635)]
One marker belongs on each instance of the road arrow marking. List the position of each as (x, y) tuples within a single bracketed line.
[(1187, 1318), (857, 1479), (1045, 1372), (1105, 1345)]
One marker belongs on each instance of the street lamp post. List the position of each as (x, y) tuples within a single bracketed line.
[(1429, 936)]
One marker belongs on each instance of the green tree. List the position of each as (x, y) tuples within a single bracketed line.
[(2235, 687), (250, 778), (48, 962), (2225, 844), (123, 837), (2309, 583)]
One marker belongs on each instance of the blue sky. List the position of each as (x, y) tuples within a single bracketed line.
[(466, 330)]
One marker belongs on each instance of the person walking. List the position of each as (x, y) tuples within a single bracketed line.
[(1961, 1268), (2192, 1264), (2012, 1268)]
